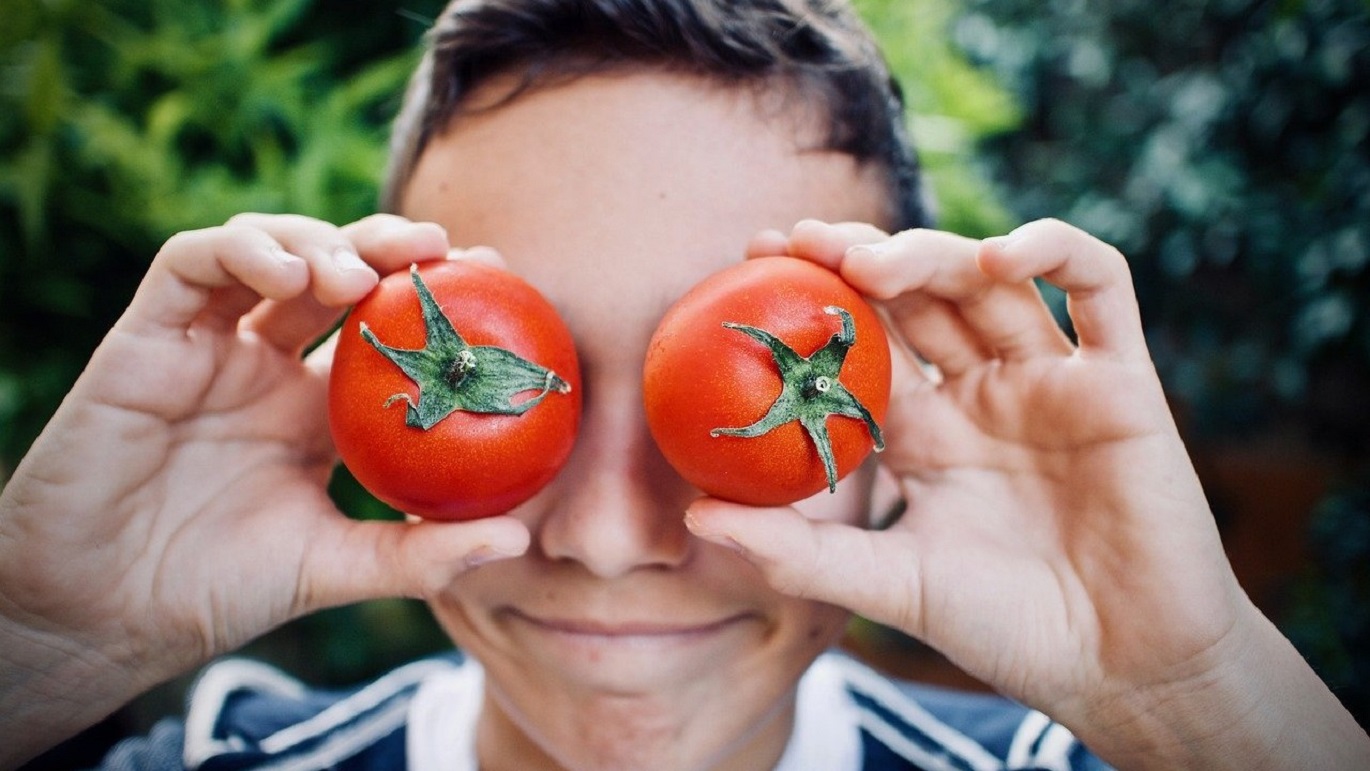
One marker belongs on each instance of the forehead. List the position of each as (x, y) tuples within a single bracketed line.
[(626, 189)]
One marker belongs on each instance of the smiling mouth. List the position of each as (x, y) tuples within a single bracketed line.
[(627, 630)]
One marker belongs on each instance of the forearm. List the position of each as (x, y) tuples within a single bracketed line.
[(1261, 707)]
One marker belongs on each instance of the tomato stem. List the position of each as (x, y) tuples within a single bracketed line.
[(462, 365), (452, 375), (810, 392)]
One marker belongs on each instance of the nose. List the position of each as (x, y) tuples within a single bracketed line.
[(617, 506)]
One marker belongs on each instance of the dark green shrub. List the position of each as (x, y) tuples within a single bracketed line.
[(1224, 145), (123, 122)]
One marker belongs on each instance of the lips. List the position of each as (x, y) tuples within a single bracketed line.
[(626, 628)]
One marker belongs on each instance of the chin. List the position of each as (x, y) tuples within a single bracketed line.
[(623, 733)]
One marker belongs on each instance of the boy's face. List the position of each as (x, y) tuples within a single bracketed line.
[(619, 640)]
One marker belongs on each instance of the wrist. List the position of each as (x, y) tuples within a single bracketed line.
[(52, 687), (1248, 702)]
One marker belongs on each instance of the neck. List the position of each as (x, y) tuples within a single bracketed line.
[(626, 733)]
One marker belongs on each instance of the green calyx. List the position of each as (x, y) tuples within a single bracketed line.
[(452, 375), (810, 392)]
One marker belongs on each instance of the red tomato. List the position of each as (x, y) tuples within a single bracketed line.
[(716, 401), (458, 405)]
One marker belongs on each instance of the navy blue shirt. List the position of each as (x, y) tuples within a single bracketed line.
[(243, 714)]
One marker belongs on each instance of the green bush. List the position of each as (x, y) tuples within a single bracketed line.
[(122, 122), (953, 106), (1224, 145)]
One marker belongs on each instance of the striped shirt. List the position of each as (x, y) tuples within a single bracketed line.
[(246, 715)]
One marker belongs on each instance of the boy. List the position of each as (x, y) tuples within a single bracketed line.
[(1056, 543)]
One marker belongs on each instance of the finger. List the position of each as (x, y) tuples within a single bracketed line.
[(931, 327), (824, 561), (340, 269), (827, 243), (292, 325), (338, 276), (389, 242), (366, 560), (938, 333), (296, 325), (483, 254), (899, 270), (910, 436), (1009, 318), (1094, 275), (768, 243), (213, 276), (1013, 320)]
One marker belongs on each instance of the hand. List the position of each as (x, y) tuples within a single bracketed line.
[(175, 506), (1057, 543)]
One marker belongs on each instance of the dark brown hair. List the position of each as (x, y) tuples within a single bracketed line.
[(818, 48)]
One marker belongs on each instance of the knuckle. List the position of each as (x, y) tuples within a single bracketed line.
[(182, 240), (1080, 244), (860, 232), (1110, 259), (241, 235), (1050, 230), (383, 218), (302, 226), (378, 222), (285, 225), (789, 583), (250, 218), (228, 239), (911, 237)]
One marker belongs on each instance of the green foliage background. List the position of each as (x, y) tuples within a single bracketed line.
[(1220, 143), (1224, 145)]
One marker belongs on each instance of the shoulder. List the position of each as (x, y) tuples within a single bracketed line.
[(911, 725), (244, 713)]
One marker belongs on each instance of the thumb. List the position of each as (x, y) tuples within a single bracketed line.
[(367, 560), (873, 574)]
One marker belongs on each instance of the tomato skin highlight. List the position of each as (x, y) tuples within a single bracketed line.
[(699, 376), (468, 465)]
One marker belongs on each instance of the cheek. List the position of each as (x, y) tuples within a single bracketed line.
[(828, 625), (460, 607), (816, 628)]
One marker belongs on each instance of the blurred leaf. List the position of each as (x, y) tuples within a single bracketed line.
[(953, 106), (1221, 145)]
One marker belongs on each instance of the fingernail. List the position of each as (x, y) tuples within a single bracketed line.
[(693, 524), (346, 259), (485, 555), (1005, 241), (721, 539), (282, 257), (871, 251), (485, 254), (435, 228)]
